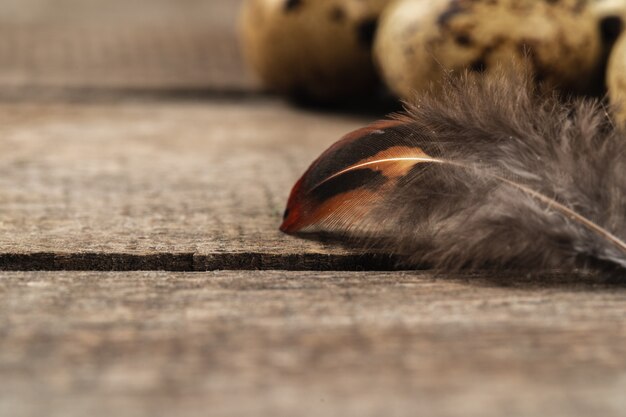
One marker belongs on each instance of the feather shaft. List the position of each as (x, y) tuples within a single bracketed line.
[(487, 172), (550, 202)]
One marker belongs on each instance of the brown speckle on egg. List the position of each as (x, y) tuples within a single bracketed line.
[(463, 39), (337, 14), (451, 11), (291, 5)]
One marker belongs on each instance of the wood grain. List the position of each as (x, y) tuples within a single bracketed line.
[(177, 185), (310, 344)]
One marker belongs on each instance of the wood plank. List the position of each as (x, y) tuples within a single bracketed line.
[(120, 44), (178, 185), (310, 344)]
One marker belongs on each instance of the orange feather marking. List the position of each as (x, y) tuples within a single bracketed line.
[(349, 207)]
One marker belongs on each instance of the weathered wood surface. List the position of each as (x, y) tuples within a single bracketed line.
[(309, 344), (131, 137), (181, 185), (168, 158)]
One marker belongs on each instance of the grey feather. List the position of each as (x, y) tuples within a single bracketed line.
[(502, 128), (523, 179)]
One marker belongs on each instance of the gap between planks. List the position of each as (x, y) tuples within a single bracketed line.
[(47, 261)]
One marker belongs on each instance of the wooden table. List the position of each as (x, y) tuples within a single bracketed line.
[(143, 174)]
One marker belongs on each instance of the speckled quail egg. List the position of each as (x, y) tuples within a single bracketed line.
[(316, 49), (418, 41), (616, 79)]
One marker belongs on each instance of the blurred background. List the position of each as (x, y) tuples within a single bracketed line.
[(321, 52), (137, 44)]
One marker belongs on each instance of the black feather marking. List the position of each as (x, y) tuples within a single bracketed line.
[(362, 178), (364, 147)]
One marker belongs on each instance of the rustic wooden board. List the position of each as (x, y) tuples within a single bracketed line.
[(120, 44), (179, 184), (310, 344), (131, 137)]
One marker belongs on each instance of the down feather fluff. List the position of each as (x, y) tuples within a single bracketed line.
[(488, 172)]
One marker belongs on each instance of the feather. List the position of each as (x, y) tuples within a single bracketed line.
[(489, 172)]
